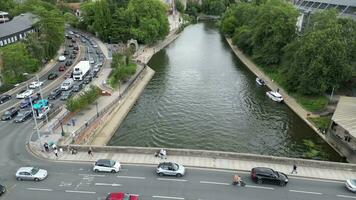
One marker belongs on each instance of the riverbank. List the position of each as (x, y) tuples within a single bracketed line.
[(288, 100)]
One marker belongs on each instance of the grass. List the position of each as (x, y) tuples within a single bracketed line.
[(321, 122), (311, 103)]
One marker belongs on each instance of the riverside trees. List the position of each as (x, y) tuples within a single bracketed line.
[(310, 64)]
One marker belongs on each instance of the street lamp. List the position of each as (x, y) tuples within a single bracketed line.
[(97, 111), (35, 119), (62, 133)]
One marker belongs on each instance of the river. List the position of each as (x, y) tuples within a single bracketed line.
[(203, 97)]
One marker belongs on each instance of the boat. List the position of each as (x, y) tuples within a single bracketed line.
[(260, 81), (275, 96)]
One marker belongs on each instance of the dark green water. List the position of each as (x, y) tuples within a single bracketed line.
[(203, 97)]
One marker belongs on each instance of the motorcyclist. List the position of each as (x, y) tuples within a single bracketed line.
[(236, 179)]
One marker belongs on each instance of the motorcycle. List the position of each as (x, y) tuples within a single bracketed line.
[(236, 180)]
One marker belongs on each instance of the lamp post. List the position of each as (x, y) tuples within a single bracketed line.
[(97, 111), (38, 80), (35, 119), (62, 133)]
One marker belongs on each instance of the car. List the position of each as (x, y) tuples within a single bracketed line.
[(351, 185), (83, 40), (73, 40), (66, 95), (68, 75), (24, 94), (70, 45), (91, 61), (75, 52), (96, 69), (268, 175), (68, 37), (70, 32), (26, 102), (2, 189), (72, 56), (10, 113), (23, 115), (122, 196), (62, 68), (87, 79), (76, 48), (31, 173), (35, 84), (61, 58), (69, 63), (97, 52), (77, 87), (89, 51), (66, 52), (77, 35), (170, 169), (52, 76), (4, 98), (95, 46), (55, 93), (106, 165)]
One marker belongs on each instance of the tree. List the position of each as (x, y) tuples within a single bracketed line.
[(214, 7), (7, 5), (179, 5), (102, 22)]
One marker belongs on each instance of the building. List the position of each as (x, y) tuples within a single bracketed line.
[(17, 29), (342, 131), (4, 17)]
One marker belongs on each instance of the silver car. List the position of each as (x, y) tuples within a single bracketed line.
[(351, 185), (170, 169), (31, 173)]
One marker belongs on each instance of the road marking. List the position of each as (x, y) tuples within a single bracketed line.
[(215, 183), (40, 189), (169, 179), (132, 177), (79, 191), (167, 197), (346, 196), (108, 184), (91, 175), (305, 192), (260, 187)]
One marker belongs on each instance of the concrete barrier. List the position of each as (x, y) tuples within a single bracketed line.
[(219, 154)]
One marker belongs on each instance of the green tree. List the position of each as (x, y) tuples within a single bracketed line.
[(102, 22), (71, 19), (7, 5), (179, 5), (214, 7)]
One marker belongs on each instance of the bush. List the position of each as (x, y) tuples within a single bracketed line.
[(121, 72), (86, 98)]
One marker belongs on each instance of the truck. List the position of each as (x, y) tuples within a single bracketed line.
[(81, 70)]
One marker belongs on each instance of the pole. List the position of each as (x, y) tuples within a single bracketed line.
[(332, 94), (38, 80), (97, 111), (61, 123), (34, 117)]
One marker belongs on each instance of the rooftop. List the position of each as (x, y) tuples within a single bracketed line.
[(17, 24), (345, 114)]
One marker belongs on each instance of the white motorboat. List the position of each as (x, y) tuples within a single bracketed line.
[(275, 96), (260, 81)]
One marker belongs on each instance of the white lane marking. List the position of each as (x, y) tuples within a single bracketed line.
[(40, 189), (259, 187), (169, 179), (79, 191), (108, 184), (132, 177), (167, 197), (91, 175), (215, 183), (346, 196), (305, 192)]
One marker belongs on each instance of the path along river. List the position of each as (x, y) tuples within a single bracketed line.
[(203, 97)]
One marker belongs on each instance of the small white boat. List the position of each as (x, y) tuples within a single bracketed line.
[(260, 81), (275, 96)]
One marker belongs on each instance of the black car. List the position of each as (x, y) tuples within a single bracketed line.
[(55, 93), (52, 76), (76, 48), (66, 52), (2, 189), (77, 87), (87, 79), (72, 56), (69, 63), (4, 98), (75, 52), (23, 115), (69, 37), (268, 175), (10, 113)]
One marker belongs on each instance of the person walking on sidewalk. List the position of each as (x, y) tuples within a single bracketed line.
[(56, 152), (90, 152), (294, 169)]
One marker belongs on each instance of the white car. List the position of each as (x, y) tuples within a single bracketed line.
[(106, 165), (170, 169), (31, 173), (351, 185), (91, 61), (95, 46), (35, 84), (24, 94), (61, 58)]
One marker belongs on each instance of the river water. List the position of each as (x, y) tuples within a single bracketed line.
[(203, 97)]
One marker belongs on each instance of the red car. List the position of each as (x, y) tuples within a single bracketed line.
[(122, 196), (62, 68)]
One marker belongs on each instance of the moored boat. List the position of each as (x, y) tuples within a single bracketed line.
[(275, 96), (260, 81)]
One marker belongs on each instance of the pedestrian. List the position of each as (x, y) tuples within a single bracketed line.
[(294, 169), (90, 152), (56, 152), (46, 147), (277, 89)]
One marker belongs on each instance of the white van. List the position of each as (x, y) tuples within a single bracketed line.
[(67, 84)]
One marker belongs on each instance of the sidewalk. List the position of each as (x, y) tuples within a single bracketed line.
[(203, 162)]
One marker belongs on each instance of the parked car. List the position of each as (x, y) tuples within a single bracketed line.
[(268, 175), (2, 189), (170, 169), (77, 87), (23, 115), (106, 165), (27, 101), (69, 63), (351, 185), (10, 113), (62, 68), (55, 93), (24, 94), (35, 84), (52, 76), (122, 196), (61, 58), (66, 95), (31, 173), (87, 79), (4, 98)]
